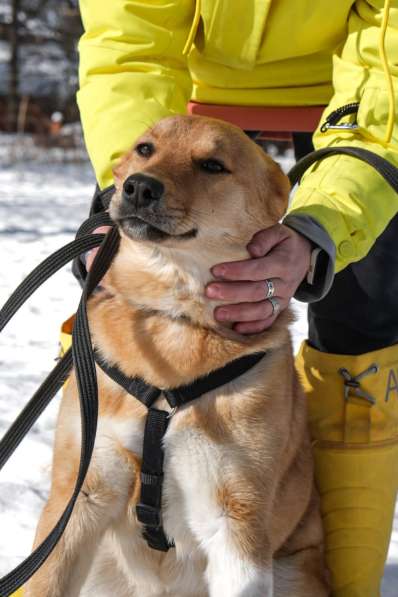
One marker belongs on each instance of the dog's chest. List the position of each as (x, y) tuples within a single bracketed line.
[(192, 465)]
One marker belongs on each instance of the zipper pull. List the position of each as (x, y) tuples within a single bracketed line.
[(333, 118)]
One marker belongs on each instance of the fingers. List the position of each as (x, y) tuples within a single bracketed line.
[(251, 311), (277, 253), (250, 269), (264, 240), (90, 255), (254, 327), (248, 312), (101, 229), (238, 292)]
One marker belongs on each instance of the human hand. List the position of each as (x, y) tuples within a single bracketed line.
[(279, 254), (90, 255)]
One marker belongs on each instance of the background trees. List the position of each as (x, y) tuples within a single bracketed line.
[(38, 61)]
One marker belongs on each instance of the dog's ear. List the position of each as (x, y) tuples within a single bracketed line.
[(279, 192), (120, 171), (276, 188)]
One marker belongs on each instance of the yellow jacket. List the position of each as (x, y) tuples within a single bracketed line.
[(141, 60)]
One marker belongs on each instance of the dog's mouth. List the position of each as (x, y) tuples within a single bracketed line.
[(138, 228)]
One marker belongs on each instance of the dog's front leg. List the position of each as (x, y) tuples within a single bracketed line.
[(102, 500), (227, 514), (64, 572), (233, 573)]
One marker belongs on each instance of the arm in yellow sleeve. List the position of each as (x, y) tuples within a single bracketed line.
[(347, 197), (132, 72)]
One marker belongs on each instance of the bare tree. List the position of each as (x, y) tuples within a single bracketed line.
[(12, 112), (41, 38)]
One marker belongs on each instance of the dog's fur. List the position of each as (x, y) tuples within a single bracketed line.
[(238, 495)]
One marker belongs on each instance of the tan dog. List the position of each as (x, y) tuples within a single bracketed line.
[(238, 496)]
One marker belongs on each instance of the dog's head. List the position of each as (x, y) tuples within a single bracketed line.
[(193, 182), (190, 194)]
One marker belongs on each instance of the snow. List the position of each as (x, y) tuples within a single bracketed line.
[(41, 206)]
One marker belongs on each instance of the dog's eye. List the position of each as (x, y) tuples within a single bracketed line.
[(145, 149), (212, 166)]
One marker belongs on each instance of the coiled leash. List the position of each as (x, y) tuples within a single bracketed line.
[(83, 359)]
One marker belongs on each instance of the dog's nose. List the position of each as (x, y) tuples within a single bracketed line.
[(142, 190)]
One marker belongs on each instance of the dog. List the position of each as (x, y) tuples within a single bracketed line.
[(238, 495)]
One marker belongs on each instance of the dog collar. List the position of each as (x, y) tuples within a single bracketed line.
[(148, 509)]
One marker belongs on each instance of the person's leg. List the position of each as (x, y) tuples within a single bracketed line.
[(302, 144), (356, 460), (349, 369)]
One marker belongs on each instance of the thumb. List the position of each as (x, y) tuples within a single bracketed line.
[(89, 256), (264, 240)]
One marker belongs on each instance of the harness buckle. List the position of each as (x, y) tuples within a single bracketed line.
[(174, 399), (152, 480), (148, 515)]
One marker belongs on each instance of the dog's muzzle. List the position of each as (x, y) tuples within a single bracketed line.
[(141, 212), (142, 191)]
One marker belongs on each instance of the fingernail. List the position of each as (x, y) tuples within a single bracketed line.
[(221, 314), (213, 291), (219, 271)]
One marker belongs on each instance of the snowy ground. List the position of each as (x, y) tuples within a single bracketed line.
[(41, 206)]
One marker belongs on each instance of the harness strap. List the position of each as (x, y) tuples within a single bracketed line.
[(135, 386), (148, 394), (232, 370), (148, 509)]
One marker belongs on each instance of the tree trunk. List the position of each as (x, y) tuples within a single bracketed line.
[(13, 91)]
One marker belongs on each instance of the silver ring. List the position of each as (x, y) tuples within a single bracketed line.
[(270, 288), (275, 305)]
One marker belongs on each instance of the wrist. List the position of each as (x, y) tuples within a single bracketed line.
[(320, 264)]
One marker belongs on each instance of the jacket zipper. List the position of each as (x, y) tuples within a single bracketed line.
[(333, 118)]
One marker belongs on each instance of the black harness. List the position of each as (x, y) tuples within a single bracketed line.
[(82, 358), (148, 509)]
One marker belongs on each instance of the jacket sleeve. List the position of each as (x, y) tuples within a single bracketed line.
[(346, 197), (132, 72)]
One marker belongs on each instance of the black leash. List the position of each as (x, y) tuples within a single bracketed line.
[(83, 359), (387, 170), (86, 380), (56, 378)]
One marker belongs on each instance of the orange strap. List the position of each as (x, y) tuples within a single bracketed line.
[(275, 122)]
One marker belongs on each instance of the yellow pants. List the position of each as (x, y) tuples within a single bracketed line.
[(353, 411)]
